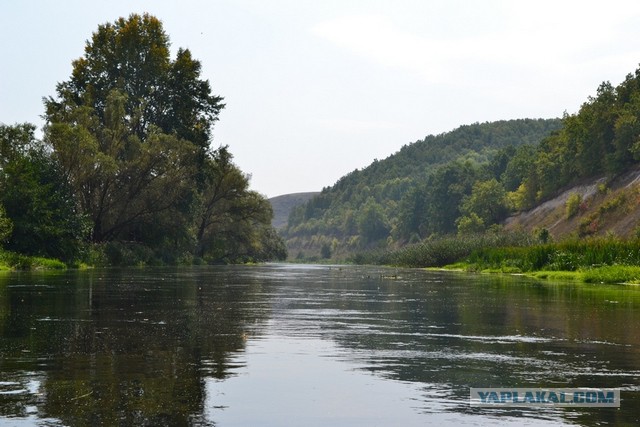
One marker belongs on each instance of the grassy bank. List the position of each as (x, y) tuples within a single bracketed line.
[(601, 260), (611, 274), (10, 261), (443, 251)]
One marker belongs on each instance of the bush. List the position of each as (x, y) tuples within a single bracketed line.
[(38, 263), (447, 250), (572, 205), (471, 223), (23, 262)]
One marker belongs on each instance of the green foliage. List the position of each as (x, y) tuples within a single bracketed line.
[(418, 191), (6, 226), (126, 164), (17, 261), (589, 225), (542, 235), (131, 56), (602, 137), (39, 216), (519, 166), (612, 204), (470, 178), (372, 224), (564, 256), (557, 275), (488, 201), (470, 224), (592, 223), (232, 222), (109, 128), (446, 189), (612, 274), (572, 205), (127, 254), (439, 252)]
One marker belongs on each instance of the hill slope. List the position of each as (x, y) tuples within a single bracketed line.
[(284, 204), (601, 206), (383, 203)]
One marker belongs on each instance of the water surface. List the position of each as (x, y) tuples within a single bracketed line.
[(280, 345)]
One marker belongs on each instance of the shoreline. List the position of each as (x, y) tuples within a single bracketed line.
[(600, 275)]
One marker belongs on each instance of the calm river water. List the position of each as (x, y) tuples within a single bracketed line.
[(287, 345)]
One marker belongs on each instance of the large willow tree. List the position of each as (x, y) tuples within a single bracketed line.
[(132, 130)]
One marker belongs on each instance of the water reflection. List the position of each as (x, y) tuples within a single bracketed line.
[(277, 344), (121, 347)]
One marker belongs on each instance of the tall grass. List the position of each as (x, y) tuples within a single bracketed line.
[(564, 256), (443, 251), (612, 274), (15, 261), (607, 260)]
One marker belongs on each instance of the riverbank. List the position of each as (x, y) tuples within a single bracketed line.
[(613, 274), (603, 260), (593, 260), (11, 261)]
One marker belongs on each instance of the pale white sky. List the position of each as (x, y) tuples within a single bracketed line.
[(315, 89)]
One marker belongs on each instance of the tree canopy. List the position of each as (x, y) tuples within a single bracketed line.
[(38, 215), (127, 146), (421, 190), (601, 138)]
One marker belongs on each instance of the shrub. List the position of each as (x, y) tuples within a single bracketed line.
[(572, 205)]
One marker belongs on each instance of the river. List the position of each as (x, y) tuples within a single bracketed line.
[(292, 345)]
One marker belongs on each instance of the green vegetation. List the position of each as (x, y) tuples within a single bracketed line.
[(573, 205), (443, 201), (612, 274), (597, 260), (565, 256), (444, 251), (15, 261), (431, 187), (601, 138), (125, 173)]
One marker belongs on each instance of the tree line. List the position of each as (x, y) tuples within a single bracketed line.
[(418, 191), (469, 180), (125, 172)]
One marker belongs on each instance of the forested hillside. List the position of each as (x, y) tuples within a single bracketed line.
[(603, 137), (413, 193), (471, 179)]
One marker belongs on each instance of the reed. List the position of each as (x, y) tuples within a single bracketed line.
[(443, 251), (570, 255), (596, 260)]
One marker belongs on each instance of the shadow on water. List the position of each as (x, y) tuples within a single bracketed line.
[(152, 346)]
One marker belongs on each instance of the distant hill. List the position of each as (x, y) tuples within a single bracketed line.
[(574, 177), (414, 193), (282, 206)]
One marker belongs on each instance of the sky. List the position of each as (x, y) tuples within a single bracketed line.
[(315, 89)]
